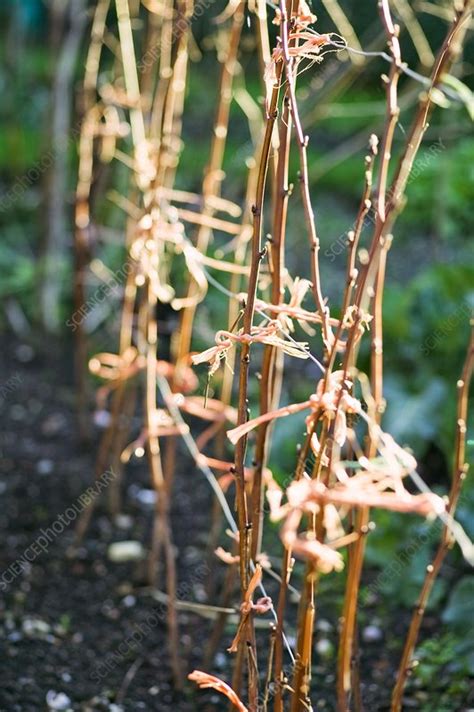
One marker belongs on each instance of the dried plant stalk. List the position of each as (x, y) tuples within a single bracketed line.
[(83, 190), (326, 505), (256, 256), (214, 174)]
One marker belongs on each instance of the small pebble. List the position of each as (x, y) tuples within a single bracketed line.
[(200, 593), (146, 497), (129, 601), (15, 636), (325, 648), (35, 627), (24, 353), (323, 625), (44, 467), (101, 418), (123, 521), (122, 551), (53, 425), (220, 660), (372, 634), (57, 700)]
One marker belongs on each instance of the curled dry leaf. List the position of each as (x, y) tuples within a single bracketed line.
[(226, 556), (332, 523), (235, 434), (263, 605), (309, 49), (116, 367), (327, 402), (159, 231), (303, 17), (183, 377), (214, 410), (267, 334), (161, 425), (253, 583), (274, 495), (204, 680), (365, 489), (323, 557)]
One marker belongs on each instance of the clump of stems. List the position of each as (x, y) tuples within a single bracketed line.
[(342, 469)]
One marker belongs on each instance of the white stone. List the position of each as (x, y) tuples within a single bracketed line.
[(58, 701), (121, 551)]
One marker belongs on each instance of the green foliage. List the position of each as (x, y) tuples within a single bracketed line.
[(439, 678), (459, 612), (18, 272), (400, 549), (437, 197), (426, 332)]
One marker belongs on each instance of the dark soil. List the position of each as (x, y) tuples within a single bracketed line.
[(62, 614)]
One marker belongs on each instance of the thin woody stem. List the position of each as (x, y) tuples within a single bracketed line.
[(346, 646), (165, 69), (130, 72), (307, 609), (82, 212), (161, 531), (287, 564), (268, 386), (213, 174), (353, 243), (256, 255), (302, 142), (210, 190), (270, 357), (347, 663)]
